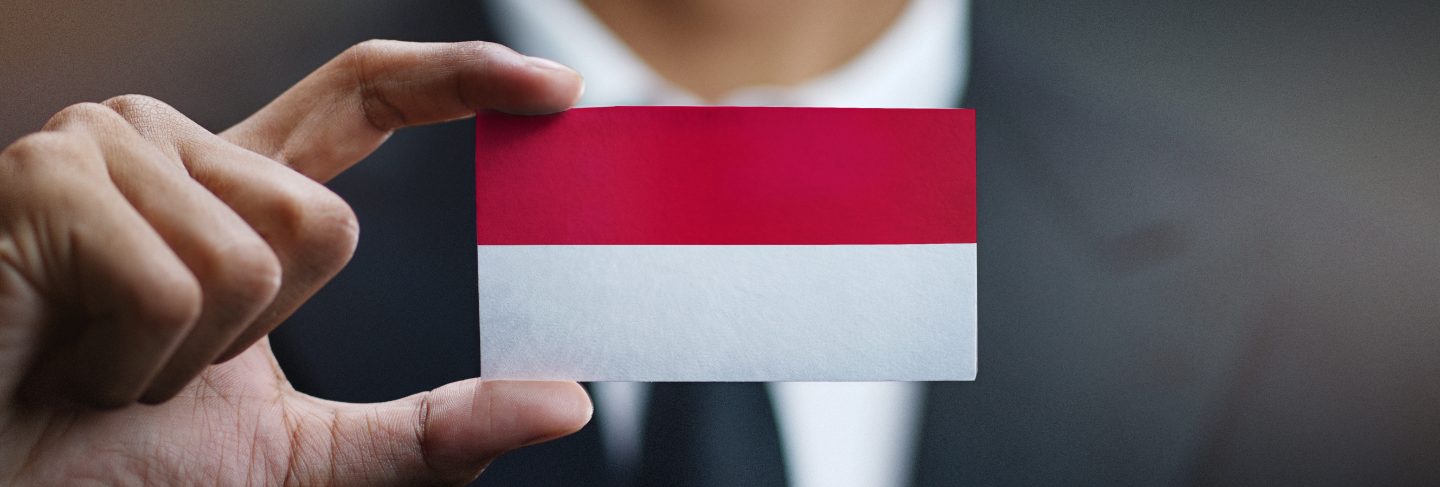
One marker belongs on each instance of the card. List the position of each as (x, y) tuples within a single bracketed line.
[(727, 244)]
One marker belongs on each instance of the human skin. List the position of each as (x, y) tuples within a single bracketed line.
[(144, 259), (714, 47)]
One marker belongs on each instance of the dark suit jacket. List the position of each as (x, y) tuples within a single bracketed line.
[(1207, 254)]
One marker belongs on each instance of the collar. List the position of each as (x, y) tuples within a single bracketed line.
[(920, 62)]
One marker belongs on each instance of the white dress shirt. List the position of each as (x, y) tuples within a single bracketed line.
[(833, 434)]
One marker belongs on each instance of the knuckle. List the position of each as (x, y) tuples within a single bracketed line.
[(143, 112), (133, 103), (248, 272), (90, 114), (55, 173), (370, 48), (322, 228), (41, 145), (169, 301), (478, 49), (359, 63), (46, 148)]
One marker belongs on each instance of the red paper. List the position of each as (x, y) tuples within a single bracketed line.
[(726, 176)]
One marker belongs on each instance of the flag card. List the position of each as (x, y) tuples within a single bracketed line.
[(727, 244)]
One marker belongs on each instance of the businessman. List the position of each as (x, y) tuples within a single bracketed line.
[(1207, 259)]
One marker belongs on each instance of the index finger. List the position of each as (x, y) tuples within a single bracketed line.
[(345, 109)]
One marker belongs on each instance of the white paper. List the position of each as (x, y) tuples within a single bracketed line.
[(728, 312)]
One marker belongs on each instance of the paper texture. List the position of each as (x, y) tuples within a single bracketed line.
[(727, 244), (727, 313)]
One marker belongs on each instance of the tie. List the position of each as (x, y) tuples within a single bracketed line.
[(710, 434)]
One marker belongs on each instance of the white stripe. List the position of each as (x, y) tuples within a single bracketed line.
[(727, 312)]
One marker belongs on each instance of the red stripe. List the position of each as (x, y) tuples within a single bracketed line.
[(726, 176)]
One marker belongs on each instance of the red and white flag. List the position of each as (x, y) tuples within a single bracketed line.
[(727, 244)]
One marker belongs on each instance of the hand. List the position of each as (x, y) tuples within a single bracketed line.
[(137, 249)]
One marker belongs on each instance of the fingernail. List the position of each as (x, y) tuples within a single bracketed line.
[(543, 63), (546, 64)]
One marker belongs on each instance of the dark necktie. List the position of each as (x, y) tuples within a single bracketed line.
[(710, 434)]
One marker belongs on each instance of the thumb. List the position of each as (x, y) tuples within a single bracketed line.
[(445, 436)]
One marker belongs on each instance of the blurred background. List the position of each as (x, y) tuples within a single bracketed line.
[(1208, 228)]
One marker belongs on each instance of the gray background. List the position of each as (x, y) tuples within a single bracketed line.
[(1208, 228)]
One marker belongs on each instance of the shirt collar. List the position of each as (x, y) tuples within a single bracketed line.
[(920, 62)]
